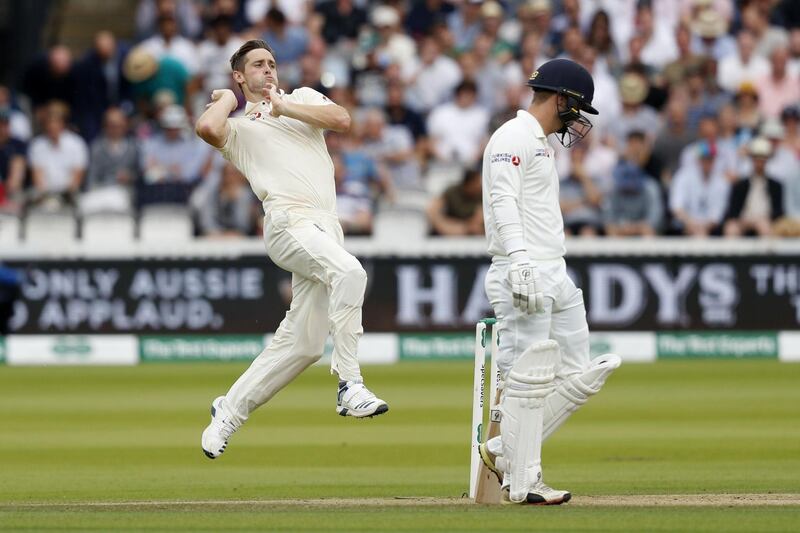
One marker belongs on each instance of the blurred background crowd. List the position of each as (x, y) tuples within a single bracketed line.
[(698, 132)]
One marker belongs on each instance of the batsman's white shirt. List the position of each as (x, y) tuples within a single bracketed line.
[(285, 160), (520, 192)]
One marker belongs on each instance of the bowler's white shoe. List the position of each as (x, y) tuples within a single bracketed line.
[(358, 401), (215, 437), (541, 494)]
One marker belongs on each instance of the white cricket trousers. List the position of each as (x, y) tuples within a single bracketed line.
[(563, 318), (328, 287)]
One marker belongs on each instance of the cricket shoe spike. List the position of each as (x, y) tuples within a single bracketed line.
[(356, 400), (216, 435), (540, 494)]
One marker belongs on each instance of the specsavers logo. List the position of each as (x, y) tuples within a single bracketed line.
[(78, 346)]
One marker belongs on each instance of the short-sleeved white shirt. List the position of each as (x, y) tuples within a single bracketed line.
[(58, 161), (285, 160), (518, 164)]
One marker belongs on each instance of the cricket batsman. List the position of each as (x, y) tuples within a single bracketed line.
[(543, 355), (279, 146)]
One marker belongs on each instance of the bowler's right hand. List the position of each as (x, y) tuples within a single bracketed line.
[(523, 275), (224, 95)]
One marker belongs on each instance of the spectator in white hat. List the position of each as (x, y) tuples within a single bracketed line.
[(757, 201), (711, 35)]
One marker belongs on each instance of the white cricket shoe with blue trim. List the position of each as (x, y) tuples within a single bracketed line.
[(358, 401), (216, 435)]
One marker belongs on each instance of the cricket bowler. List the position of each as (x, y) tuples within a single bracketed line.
[(279, 146), (543, 356)]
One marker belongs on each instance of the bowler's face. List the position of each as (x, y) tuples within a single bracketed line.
[(260, 69)]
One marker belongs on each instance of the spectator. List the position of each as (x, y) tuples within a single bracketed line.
[(184, 11), (149, 76), (465, 23), (18, 121), (169, 43), (767, 37), (362, 176), (102, 84), (659, 44), (634, 206), (536, 17), (289, 42), (50, 78), (114, 154), (635, 116), (780, 88), (790, 118), (342, 20), (572, 43), (672, 138), (172, 161), (12, 164), (606, 91), (485, 71), (58, 159), (214, 55), (432, 80), (392, 46), (699, 195), (399, 114), (492, 19), (676, 71), (743, 66), (600, 40), (353, 202), (458, 210), (229, 210), (726, 159), (784, 163), (392, 147), (458, 129), (702, 99), (580, 197), (748, 116), (711, 37), (757, 201)]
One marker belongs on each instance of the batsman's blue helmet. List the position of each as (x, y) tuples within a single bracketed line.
[(566, 77)]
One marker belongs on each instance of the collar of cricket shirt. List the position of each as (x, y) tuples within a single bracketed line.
[(260, 106), (532, 123)]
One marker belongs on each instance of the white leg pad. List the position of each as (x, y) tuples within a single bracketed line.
[(529, 382), (571, 393)]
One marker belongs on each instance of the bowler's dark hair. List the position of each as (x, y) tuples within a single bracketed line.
[(238, 58)]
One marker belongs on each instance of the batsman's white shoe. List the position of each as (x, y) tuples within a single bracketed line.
[(215, 437), (356, 400), (541, 494)]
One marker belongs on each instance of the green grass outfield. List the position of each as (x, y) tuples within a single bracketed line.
[(119, 449)]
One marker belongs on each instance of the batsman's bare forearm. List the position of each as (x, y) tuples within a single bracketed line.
[(329, 117), (212, 126)]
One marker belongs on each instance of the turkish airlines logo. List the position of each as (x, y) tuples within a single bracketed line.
[(515, 161)]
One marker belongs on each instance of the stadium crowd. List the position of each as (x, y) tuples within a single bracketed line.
[(698, 132)]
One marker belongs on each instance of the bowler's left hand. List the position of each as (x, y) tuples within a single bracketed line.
[(271, 95)]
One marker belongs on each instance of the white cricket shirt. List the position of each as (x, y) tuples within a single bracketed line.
[(285, 160), (520, 192)]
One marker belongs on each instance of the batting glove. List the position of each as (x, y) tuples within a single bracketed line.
[(523, 275)]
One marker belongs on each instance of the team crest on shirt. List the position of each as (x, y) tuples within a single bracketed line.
[(505, 157)]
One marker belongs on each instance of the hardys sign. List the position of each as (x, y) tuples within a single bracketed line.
[(249, 295)]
